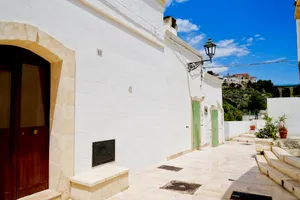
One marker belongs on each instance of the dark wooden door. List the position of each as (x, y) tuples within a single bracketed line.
[(24, 123), (5, 132)]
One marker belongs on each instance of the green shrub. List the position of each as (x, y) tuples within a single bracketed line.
[(270, 130)]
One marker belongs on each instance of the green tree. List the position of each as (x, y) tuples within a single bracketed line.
[(257, 102), (249, 84), (231, 113)]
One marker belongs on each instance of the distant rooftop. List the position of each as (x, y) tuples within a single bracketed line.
[(238, 75)]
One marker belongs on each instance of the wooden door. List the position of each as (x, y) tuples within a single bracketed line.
[(32, 169), (196, 124), (215, 128), (5, 132), (24, 100)]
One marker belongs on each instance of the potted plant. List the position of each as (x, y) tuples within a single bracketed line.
[(282, 129), (265, 136), (270, 129), (252, 126)]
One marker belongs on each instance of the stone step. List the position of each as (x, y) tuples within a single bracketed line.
[(280, 178), (262, 163), (43, 195), (286, 157), (292, 160), (243, 139), (291, 171), (247, 135), (263, 141), (280, 153)]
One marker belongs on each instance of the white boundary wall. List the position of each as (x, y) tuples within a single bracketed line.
[(235, 128), (291, 108)]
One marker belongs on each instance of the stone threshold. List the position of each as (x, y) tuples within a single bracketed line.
[(43, 195)]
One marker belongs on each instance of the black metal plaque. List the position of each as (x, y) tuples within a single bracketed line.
[(247, 196), (103, 152)]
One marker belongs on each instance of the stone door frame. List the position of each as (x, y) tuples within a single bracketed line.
[(62, 100)]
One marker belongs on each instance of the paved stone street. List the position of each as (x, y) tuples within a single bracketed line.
[(210, 167)]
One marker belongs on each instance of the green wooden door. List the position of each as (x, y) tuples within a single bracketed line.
[(215, 128), (196, 124)]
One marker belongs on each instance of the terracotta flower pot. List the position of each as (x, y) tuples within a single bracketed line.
[(252, 127), (283, 134)]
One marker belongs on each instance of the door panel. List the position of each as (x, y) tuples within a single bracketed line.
[(24, 122), (196, 124), (215, 128), (32, 169), (5, 133)]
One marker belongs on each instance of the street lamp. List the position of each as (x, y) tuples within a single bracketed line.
[(210, 50)]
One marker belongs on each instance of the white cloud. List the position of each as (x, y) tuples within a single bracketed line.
[(196, 39), (215, 68), (184, 25), (170, 2), (257, 35), (219, 70), (229, 47), (277, 59), (261, 38), (225, 43), (250, 40)]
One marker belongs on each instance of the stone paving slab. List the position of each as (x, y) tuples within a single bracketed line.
[(210, 167)]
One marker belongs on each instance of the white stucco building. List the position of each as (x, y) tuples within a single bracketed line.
[(239, 78), (297, 18), (88, 82)]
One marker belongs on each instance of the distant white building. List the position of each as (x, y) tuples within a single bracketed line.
[(239, 78)]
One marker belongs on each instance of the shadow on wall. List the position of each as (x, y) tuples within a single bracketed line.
[(182, 58)]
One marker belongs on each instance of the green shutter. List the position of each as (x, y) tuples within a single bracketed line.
[(215, 128), (196, 124)]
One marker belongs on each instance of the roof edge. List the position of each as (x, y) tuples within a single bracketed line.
[(183, 43), (213, 78)]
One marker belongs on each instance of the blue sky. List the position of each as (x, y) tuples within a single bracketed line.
[(245, 32)]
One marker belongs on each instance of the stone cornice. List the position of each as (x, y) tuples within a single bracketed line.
[(162, 2), (170, 35), (297, 10), (118, 21)]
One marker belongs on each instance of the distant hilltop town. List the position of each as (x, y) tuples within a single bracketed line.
[(239, 79)]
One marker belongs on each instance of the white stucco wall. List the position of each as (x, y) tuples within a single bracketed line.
[(291, 108), (235, 128), (154, 120), (104, 107), (181, 86), (298, 37), (212, 90)]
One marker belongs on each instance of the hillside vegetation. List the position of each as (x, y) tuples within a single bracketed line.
[(246, 98)]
